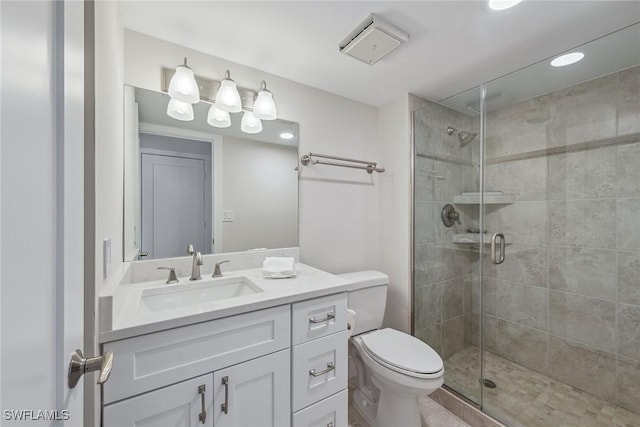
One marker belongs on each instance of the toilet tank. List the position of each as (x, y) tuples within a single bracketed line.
[(368, 298)]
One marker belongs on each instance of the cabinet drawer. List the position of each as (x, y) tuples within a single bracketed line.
[(330, 412), (318, 317), (319, 369), (152, 361)]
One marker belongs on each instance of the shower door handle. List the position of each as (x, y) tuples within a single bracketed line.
[(495, 258)]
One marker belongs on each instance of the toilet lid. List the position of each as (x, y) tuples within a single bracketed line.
[(402, 351)]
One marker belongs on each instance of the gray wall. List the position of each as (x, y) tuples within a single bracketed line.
[(443, 270)]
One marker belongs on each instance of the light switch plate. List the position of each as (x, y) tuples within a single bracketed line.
[(227, 216)]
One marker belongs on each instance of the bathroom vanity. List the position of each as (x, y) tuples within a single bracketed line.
[(275, 355)]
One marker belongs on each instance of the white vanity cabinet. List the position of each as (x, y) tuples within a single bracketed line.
[(280, 366)]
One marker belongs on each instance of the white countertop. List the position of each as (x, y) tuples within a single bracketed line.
[(130, 320)]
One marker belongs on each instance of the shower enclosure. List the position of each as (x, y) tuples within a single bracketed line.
[(542, 327)]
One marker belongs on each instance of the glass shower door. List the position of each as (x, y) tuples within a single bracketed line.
[(561, 314)]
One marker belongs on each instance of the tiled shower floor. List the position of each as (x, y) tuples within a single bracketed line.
[(526, 398)]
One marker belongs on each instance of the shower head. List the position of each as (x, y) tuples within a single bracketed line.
[(463, 137)]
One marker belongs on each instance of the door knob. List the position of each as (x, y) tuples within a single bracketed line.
[(79, 365)]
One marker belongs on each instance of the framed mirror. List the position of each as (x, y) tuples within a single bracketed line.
[(219, 189)]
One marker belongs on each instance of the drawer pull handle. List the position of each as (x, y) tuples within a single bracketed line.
[(203, 415), (225, 406), (330, 424), (330, 367), (329, 317)]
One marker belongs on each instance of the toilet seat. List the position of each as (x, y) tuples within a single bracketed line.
[(402, 353)]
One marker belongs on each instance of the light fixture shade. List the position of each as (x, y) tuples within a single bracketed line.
[(264, 108), (250, 123), (228, 98), (183, 85), (218, 118), (180, 110)]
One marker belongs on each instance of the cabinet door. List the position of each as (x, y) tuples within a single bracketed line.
[(186, 404), (254, 393)]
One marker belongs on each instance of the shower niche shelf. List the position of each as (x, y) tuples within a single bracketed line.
[(472, 238), (490, 198)]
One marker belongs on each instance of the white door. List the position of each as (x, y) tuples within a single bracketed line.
[(186, 404), (41, 210), (254, 393), (173, 205)]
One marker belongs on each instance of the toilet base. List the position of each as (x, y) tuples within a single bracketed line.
[(394, 410)]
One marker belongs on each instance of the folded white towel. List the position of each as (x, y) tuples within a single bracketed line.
[(278, 267)]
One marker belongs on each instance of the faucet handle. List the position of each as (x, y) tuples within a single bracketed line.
[(190, 249), (216, 271), (172, 274)]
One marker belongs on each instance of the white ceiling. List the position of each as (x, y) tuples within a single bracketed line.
[(453, 45)]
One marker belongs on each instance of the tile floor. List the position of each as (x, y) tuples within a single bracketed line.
[(524, 398), (433, 415)]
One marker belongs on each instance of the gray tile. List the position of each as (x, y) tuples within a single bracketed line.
[(526, 305), (523, 264), (523, 345), (527, 179), (629, 330), (628, 101), (629, 277), (585, 112), (629, 224), (431, 335), (452, 298), (584, 174), (490, 332), (628, 170), (428, 225), (490, 295), (588, 369), (428, 306), (440, 262), (427, 186), (587, 320), (521, 222), (427, 129), (628, 384), (583, 223), (452, 337), (584, 271)]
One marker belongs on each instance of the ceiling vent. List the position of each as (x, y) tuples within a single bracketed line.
[(372, 40)]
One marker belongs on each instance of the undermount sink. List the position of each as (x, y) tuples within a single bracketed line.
[(197, 293)]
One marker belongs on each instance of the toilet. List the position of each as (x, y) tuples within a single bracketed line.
[(393, 369)]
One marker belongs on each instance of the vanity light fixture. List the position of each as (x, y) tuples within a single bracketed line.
[(502, 4), (227, 97), (250, 123), (264, 108), (183, 86), (218, 118), (567, 59), (180, 110), (286, 135)]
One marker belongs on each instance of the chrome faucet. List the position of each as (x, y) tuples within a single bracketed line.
[(195, 266), (216, 270)]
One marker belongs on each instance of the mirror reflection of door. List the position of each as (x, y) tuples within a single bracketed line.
[(175, 196)]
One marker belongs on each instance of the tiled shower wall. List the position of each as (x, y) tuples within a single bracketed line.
[(566, 301), (443, 270)]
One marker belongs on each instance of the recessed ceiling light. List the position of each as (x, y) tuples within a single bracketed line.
[(286, 135), (502, 4), (567, 59)]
